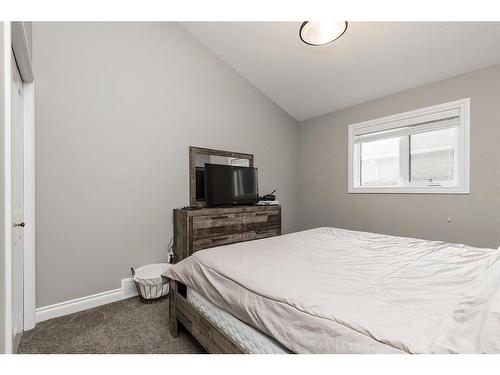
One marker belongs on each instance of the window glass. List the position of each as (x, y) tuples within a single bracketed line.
[(432, 156), (380, 162)]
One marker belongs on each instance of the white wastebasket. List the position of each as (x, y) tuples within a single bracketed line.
[(150, 285)]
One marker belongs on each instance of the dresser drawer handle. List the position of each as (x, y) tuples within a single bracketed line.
[(219, 239), (261, 214)]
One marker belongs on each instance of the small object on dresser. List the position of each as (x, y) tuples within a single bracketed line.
[(267, 203), (269, 197)]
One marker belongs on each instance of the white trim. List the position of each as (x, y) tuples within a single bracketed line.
[(466, 145), (409, 190), (29, 207), (7, 50), (22, 52), (15, 42), (407, 118), (84, 303), (462, 107), (78, 304)]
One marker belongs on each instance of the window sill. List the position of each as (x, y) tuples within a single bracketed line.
[(409, 190)]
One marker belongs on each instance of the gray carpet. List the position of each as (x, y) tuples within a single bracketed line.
[(127, 326)]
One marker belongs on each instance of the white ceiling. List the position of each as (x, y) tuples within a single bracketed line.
[(371, 60)]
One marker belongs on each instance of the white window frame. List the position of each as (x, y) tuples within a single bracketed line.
[(462, 161)]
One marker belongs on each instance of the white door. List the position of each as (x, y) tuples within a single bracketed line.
[(17, 205)]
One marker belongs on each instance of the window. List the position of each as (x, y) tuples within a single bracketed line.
[(422, 151)]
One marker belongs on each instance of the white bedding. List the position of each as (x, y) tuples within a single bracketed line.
[(331, 290), (249, 338)]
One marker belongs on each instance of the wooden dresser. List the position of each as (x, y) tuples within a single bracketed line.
[(209, 227)]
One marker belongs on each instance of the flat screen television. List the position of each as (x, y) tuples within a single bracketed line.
[(230, 185)]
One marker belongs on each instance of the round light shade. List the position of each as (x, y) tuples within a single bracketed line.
[(319, 33)]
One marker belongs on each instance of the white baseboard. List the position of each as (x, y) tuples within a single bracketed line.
[(127, 290)]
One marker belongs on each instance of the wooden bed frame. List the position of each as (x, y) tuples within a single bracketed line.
[(182, 313)]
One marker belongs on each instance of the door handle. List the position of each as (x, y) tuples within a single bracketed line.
[(22, 224)]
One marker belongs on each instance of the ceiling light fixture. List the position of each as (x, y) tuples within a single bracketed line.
[(321, 33)]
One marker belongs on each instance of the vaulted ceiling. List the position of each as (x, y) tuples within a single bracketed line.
[(371, 60)]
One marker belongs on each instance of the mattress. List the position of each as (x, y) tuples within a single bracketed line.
[(247, 337), (331, 290)]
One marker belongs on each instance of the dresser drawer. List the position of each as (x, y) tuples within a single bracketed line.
[(210, 221), (205, 243), (211, 232), (257, 217), (255, 235)]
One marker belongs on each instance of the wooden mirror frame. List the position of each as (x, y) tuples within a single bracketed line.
[(193, 151)]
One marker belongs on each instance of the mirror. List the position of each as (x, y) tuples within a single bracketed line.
[(198, 157)]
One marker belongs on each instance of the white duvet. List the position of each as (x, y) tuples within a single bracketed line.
[(331, 290)]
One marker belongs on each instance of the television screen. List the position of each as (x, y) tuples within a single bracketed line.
[(230, 185)]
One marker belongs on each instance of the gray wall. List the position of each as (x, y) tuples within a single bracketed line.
[(117, 106), (324, 200), (28, 28), (3, 304)]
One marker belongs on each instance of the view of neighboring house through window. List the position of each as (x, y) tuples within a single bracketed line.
[(432, 157)]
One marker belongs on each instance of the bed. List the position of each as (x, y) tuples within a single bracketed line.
[(330, 290)]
